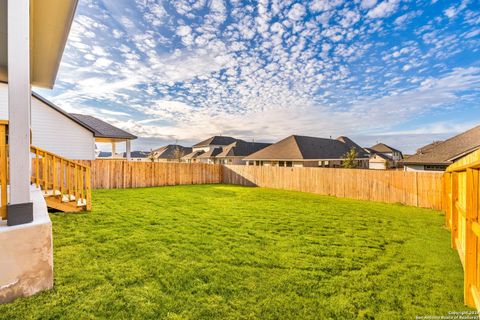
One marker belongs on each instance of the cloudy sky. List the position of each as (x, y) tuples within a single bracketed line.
[(401, 72)]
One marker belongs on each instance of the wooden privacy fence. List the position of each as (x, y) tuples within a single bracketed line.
[(421, 189), (462, 208), (115, 174)]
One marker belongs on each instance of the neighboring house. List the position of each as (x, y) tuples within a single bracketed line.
[(192, 157), (134, 155), (379, 161), (302, 151), (206, 150), (383, 157), (235, 152), (53, 129), (170, 153), (106, 133), (438, 156)]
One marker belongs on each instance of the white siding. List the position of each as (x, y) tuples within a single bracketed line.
[(377, 165), (414, 168), (53, 131)]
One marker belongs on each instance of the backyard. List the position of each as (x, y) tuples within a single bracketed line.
[(230, 252)]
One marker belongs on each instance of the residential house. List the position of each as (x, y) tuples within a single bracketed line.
[(32, 39), (383, 157), (302, 151), (439, 155), (236, 151), (104, 132), (206, 150), (79, 133), (53, 129), (170, 153)]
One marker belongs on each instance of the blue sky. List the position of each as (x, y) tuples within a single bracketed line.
[(401, 72)]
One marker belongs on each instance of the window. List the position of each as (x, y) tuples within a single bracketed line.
[(281, 163), (435, 167), (288, 163)]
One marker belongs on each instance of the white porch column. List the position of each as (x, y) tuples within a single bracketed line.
[(114, 149), (128, 149), (20, 209)]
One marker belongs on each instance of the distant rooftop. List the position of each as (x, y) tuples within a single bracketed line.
[(383, 148), (308, 148), (445, 152), (215, 141)]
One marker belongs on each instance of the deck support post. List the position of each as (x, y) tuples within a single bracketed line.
[(128, 150), (20, 209), (114, 149)]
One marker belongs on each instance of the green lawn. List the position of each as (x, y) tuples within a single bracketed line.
[(227, 252)]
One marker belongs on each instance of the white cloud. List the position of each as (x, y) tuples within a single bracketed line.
[(367, 4), (383, 9), (296, 12), (184, 30), (194, 68)]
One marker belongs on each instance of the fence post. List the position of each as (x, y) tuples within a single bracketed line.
[(470, 274), (454, 208), (3, 171), (447, 183)]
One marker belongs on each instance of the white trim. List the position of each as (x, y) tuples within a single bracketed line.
[(19, 99)]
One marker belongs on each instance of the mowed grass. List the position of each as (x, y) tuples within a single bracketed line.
[(228, 252)]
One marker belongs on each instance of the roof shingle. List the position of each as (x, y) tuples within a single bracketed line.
[(308, 148), (444, 153), (101, 129)]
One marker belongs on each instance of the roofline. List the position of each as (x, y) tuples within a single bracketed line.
[(60, 110), (464, 153), (105, 136), (260, 159), (426, 163)]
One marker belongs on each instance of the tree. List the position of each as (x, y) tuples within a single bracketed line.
[(151, 156), (349, 159), (178, 153)]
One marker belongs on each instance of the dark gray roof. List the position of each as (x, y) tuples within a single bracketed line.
[(383, 148), (60, 110), (216, 141), (102, 129), (308, 148), (445, 152), (193, 155), (168, 152), (104, 154), (210, 153), (137, 154), (133, 154), (381, 155), (242, 148)]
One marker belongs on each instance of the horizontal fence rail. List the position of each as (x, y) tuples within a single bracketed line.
[(462, 210), (117, 174), (421, 189)]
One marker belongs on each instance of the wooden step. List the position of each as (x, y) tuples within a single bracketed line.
[(57, 204)]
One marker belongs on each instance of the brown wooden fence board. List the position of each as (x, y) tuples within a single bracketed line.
[(116, 174), (462, 212), (422, 189)]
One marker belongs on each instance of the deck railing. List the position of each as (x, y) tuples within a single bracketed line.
[(3, 168), (461, 205), (58, 176)]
